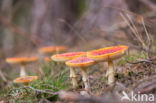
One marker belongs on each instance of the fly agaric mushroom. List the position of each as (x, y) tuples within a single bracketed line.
[(82, 62), (108, 54), (68, 56), (25, 79), (52, 49), (22, 61)]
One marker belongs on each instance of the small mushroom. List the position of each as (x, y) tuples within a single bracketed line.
[(82, 62), (52, 49), (68, 56), (47, 59), (108, 54), (25, 79), (22, 61)]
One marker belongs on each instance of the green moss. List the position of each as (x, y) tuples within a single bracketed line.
[(51, 81)]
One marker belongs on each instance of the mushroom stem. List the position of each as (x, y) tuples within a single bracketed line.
[(85, 78), (73, 77), (57, 51), (22, 71), (110, 72)]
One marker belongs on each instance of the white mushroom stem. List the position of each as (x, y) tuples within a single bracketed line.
[(57, 51), (110, 72), (85, 78), (22, 71), (73, 77)]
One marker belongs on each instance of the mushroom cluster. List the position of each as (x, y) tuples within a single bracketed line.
[(73, 60), (81, 62), (68, 56)]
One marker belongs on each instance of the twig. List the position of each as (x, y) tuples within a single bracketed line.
[(142, 61), (43, 91), (143, 49), (148, 38), (35, 90), (145, 46), (137, 34), (76, 98), (132, 29)]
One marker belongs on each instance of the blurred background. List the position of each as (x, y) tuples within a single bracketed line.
[(82, 25), (79, 24)]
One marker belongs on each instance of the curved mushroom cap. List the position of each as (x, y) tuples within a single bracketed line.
[(25, 79), (80, 62), (52, 49), (109, 53), (67, 56), (47, 59), (21, 60)]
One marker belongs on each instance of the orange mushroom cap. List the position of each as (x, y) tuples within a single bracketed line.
[(108, 53), (25, 79), (67, 56), (51, 49), (21, 60), (80, 62)]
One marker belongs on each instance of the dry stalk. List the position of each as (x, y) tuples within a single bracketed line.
[(145, 45)]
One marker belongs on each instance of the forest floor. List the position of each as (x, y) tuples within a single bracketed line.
[(134, 73)]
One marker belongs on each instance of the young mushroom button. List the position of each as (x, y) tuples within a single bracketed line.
[(108, 54), (22, 61), (68, 56), (82, 62)]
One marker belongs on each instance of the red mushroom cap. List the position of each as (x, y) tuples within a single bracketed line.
[(25, 79), (67, 56), (21, 60), (109, 53), (80, 62)]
